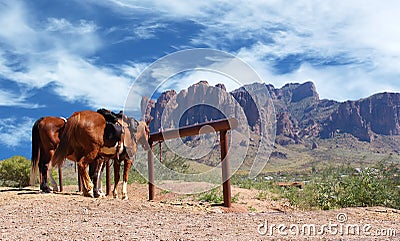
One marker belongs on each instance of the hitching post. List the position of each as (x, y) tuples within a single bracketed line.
[(150, 164), (226, 186)]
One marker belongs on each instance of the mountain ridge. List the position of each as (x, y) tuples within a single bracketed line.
[(300, 113)]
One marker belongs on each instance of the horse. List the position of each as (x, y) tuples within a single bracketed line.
[(83, 138), (140, 136), (45, 139)]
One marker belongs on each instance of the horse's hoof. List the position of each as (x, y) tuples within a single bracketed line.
[(99, 194), (46, 189), (125, 197), (88, 194)]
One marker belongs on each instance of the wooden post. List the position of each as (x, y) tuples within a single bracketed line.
[(108, 177), (60, 177), (221, 126), (226, 186), (160, 143), (150, 166)]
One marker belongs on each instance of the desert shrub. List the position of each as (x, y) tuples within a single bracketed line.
[(215, 195), (345, 187), (14, 172)]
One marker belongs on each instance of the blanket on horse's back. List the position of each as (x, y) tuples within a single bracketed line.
[(109, 115), (113, 130)]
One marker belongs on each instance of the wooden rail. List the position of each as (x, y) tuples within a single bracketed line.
[(221, 126)]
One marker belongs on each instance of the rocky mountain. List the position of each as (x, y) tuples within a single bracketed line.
[(378, 114), (300, 113)]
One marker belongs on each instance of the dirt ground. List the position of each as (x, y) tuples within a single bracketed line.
[(30, 215)]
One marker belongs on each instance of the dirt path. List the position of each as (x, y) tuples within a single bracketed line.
[(29, 215)]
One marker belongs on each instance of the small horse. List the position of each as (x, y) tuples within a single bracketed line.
[(140, 136), (45, 139)]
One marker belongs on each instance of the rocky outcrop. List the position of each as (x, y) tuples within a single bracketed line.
[(293, 93), (198, 104), (248, 104), (300, 114), (158, 108), (303, 91), (378, 114)]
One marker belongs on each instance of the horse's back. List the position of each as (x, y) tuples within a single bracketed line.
[(84, 127)]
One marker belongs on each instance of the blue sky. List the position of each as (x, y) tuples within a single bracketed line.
[(57, 56)]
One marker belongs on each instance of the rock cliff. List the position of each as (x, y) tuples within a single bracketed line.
[(300, 113)]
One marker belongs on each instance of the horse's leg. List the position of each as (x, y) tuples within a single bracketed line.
[(89, 157), (127, 167), (87, 186), (92, 168), (94, 172), (49, 172), (100, 177), (117, 166), (43, 169)]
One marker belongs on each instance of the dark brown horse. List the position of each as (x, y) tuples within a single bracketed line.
[(45, 139), (83, 138)]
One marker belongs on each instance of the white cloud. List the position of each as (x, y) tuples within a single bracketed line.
[(13, 132), (80, 80), (15, 25), (352, 45), (8, 98), (348, 44), (133, 69), (57, 56), (148, 31), (338, 82), (63, 25)]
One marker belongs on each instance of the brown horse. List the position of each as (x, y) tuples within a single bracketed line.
[(140, 136), (83, 137), (45, 139)]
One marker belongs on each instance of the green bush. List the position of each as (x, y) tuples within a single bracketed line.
[(215, 196), (14, 172), (344, 187)]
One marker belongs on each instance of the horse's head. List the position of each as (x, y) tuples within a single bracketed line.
[(140, 131)]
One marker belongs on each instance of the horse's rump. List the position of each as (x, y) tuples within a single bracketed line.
[(45, 138), (82, 130), (35, 151)]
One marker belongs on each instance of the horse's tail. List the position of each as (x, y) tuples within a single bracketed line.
[(36, 142), (63, 149)]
